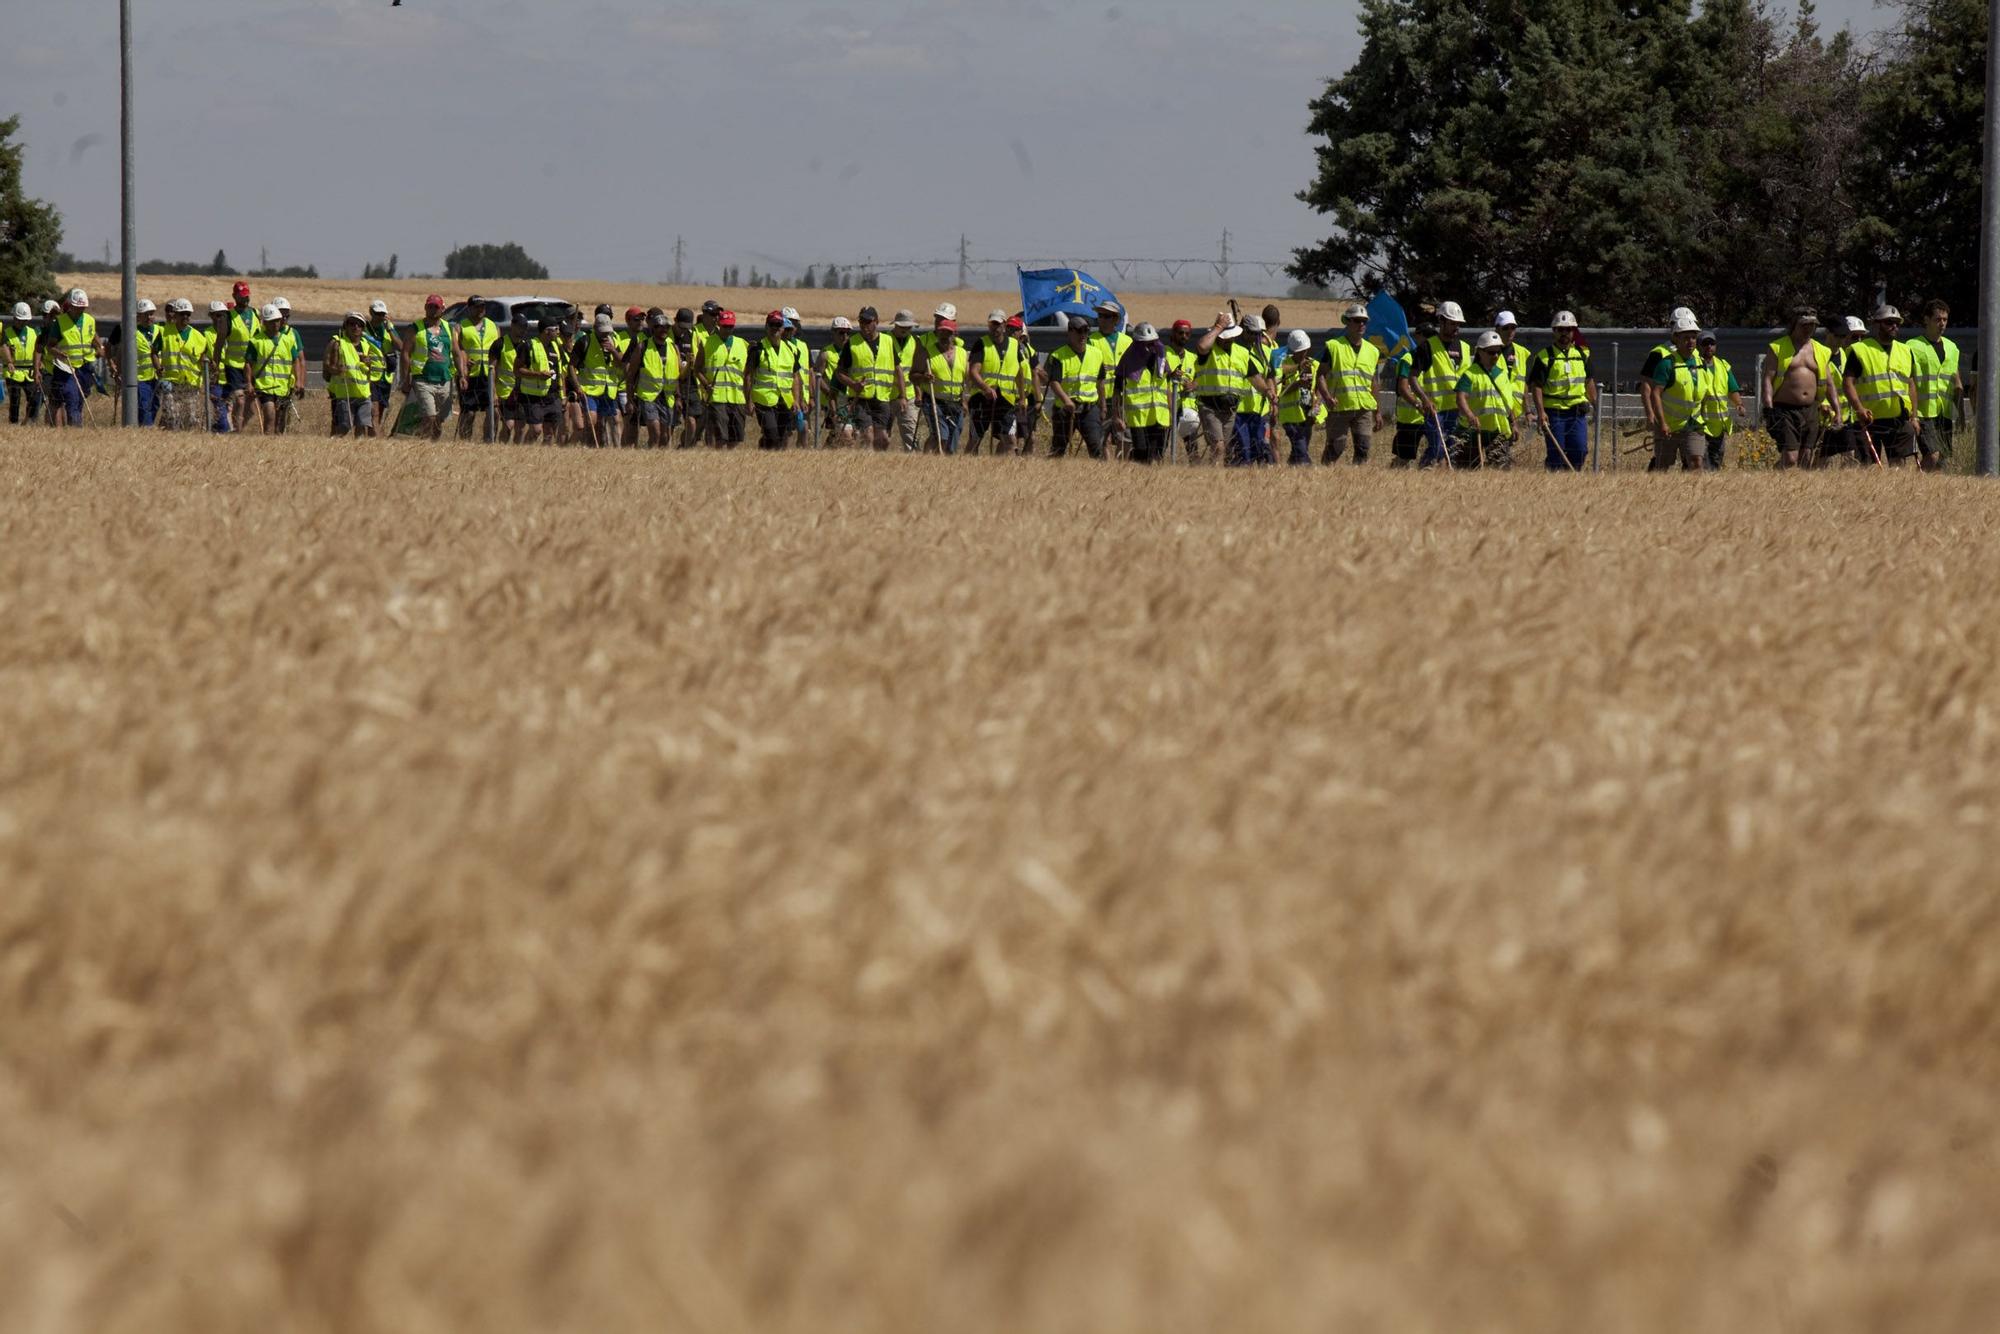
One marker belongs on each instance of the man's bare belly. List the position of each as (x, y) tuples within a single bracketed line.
[(1798, 387)]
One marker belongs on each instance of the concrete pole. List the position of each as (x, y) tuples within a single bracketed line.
[(128, 310), (1988, 396)]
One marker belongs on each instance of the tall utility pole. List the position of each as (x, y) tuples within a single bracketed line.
[(128, 304), (1222, 269), (1988, 396), (964, 263), (680, 253)]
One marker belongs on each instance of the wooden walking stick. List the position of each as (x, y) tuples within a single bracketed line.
[(1556, 444)]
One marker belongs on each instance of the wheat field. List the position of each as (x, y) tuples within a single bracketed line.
[(467, 888)]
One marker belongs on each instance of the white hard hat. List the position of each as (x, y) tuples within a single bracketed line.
[(1354, 312), (21, 311), (1488, 342), (282, 304), (1145, 333), (946, 311), (1233, 331), (270, 311), (1564, 320), (78, 297), (1886, 313), (1505, 319), (218, 307), (791, 313), (180, 305), (145, 307), (379, 306), (48, 307), (1298, 340), (1449, 310), (1679, 313), (1684, 322), (1855, 326), (842, 322)]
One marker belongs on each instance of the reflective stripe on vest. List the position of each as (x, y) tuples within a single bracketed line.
[(1564, 381), (350, 368), (659, 370), (477, 340), (1351, 370), (1880, 374), (1146, 399), (243, 326), (725, 360), (776, 367), (538, 373), (1440, 378), (1003, 373), (1715, 417), (947, 372), (872, 367), (1296, 400), (906, 355), (380, 345), (1181, 366), (148, 339), (273, 356), (76, 339), (181, 351), (1490, 395), (1224, 371), (1681, 397), (1934, 396), (1079, 372), (21, 353), (1259, 357), (599, 375)]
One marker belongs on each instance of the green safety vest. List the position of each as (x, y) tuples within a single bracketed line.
[(1259, 360), (872, 367), (477, 340), (1715, 415), (1112, 349), (181, 353), (273, 356), (1351, 373), (21, 343), (906, 356), (777, 369), (1440, 378), (947, 372), (724, 359), (659, 370), (1296, 400), (351, 365), (1002, 370), (1565, 377), (243, 326), (1224, 372), (76, 339), (600, 373), (1935, 368), (381, 344), (1682, 398), (1146, 399), (1407, 414), (1881, 373), (1514, 359), (1181, 369), (1079, 372), (537, 374), (1491, 395), (145, 339)]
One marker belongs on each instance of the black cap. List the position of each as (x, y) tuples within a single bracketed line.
[(711, 307), (869, 313), (604, 310), (475, 301), (1078, 324), (683, 316), (521, 321), (657, 318)]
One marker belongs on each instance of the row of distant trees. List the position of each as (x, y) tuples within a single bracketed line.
[(1620, 157), (836, 279)]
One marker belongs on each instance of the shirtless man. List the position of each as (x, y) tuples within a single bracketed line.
[(1798, 379)]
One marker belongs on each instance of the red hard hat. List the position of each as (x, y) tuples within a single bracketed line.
[(433, 300), (727, 319), (242, 289), (776, 318)]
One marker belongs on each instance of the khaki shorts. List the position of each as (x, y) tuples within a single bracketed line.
[(434, 400)]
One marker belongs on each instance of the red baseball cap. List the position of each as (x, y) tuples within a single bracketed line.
[(242, 289), (727, 319), (775, 319), (1014, 322), (1183, 324), (948, 324), (433, 300), (635, 312)]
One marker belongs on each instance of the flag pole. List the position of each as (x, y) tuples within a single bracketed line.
[(128, 305)]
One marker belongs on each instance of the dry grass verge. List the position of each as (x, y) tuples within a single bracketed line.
[(541, 891)]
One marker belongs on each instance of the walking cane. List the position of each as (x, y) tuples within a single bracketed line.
[(1173, 420), (1444, 446), (1554, 444), (937, 429)]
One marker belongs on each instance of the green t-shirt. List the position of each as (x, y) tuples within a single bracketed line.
[(437, 351)]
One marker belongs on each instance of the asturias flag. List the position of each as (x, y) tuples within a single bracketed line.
[(1046, 292), (1388, 327)]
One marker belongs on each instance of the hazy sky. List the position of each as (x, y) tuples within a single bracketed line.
[(778, 134)]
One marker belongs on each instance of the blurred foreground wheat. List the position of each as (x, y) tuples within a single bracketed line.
[(519, 890)]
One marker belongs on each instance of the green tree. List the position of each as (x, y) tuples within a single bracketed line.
[(30, 229), (491, 261), (1916, 166)]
